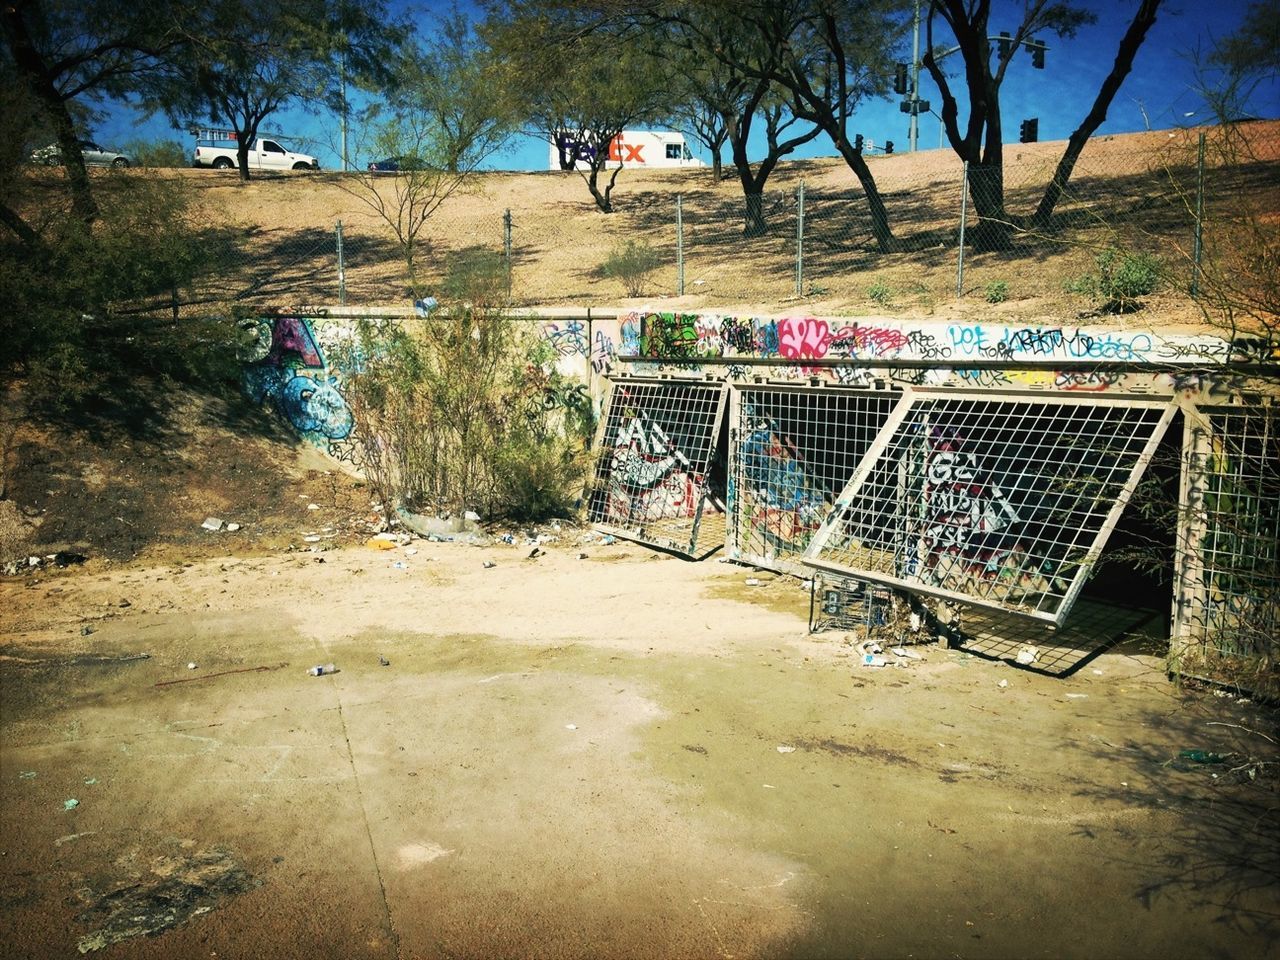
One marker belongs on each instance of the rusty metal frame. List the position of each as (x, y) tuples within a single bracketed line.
[(957, 496)]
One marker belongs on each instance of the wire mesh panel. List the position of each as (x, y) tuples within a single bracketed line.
[(1229, 536), (791, 451), (1001, 500), (654, 464)]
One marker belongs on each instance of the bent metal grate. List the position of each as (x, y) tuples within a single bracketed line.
[(791, 451), (1003, 500), (653, 478)]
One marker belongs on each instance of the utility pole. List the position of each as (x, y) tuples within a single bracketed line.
[(913, 131)]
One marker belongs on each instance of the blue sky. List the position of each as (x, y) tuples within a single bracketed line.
[(1160, 92)]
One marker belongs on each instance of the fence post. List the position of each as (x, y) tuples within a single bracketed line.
[(964, 212), (342, 267), (506, 246), (1195, 257), (800, 239), (679, 245)]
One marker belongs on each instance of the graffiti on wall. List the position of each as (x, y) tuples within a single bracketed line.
[(776, 497), (649, 478), (289, 372), (685, 342)]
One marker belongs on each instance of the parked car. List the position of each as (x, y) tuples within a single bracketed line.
[(94, 155), (396, 164)]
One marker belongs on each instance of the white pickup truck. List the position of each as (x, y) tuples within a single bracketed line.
[(263, 155)]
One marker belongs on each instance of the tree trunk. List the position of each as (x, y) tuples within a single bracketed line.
[(880, 229), (754, 223), (33, 71), (242, 158), (1129, 44), (993, 231)]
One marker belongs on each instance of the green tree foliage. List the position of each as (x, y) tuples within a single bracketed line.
[(66, 55), (156, 153), (248, 59), (579, 81)]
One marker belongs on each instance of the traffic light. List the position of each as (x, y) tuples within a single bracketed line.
[(900, 78), (1006, 42), (888, 146), (1037, 49), (1029, 132)]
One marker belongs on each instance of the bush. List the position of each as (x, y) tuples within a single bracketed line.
[(997, 291), (632, 263), (464, 411), (477, 276), (880, 293), (156, 153), (1121, 279)]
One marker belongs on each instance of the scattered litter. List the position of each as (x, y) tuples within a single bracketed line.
[(752, 582), (191, 665), (380, 544), (1097, 673), (313, 506), (400, 565), (915, 623), (536, 552), (1077, 696), (86, 630), (27, 775), (904, 652), (784, 748), (571, 726), (73, 836), (470, 515), (311, 539), (232, 527), (90, 781), (70, 804), (768, 786), (871, 660), (1002, 684), (124, 603), (507, 538), (608, 540), (1028, 655), (489, 564), (212, 523), (322, 671), (582, 556), (410, 551), (1201, 756), (383, 661)]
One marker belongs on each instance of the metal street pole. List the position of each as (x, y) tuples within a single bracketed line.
[(913, 131)]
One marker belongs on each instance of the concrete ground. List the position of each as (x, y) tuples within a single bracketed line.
[(625, 755)]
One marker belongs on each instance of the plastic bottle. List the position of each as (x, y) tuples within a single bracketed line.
[(319, 671)]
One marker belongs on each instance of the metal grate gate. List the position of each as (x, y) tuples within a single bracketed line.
[(1002, 500), (791, 450), (652, 480), (1228, 595)]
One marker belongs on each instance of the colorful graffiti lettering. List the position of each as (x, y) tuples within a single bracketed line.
[(649, 478), (969, 531), (568, 339)]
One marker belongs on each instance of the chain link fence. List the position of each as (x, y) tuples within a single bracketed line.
[(958, 231)]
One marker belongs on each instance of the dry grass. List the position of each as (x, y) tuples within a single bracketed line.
[(1134, 190)]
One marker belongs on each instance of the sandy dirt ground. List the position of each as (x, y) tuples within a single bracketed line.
[(620, 755)]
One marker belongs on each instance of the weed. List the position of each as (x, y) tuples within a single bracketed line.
[(997, 291), (632, 263), (1121, 279), (880, 293)]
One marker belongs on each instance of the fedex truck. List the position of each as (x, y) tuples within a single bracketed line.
[(642, 149)]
